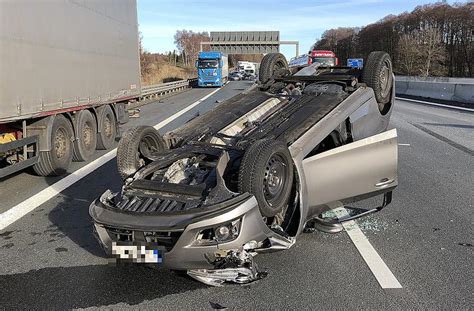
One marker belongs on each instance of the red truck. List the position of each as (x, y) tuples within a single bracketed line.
[(325, 58)]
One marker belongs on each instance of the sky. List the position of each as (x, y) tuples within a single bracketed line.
[(303, 21)]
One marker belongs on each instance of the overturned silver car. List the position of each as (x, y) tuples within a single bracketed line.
[(253, 173)]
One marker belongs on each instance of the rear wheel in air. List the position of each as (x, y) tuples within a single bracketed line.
[(378, 75)]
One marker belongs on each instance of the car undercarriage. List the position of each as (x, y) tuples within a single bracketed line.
[(240, 179)]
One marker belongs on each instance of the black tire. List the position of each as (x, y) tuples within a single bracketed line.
[(86, 139), (56, 161), (273, 64), (107, 130), (266, 171), (378, 75), (134, 146)]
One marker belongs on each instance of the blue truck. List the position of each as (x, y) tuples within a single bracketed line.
[(213, 69)]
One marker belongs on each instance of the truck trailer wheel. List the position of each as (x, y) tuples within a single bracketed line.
[(266, 171), (273, 64), (57, 160), (107, 127), (378, 75), (86, 135), (134, 146)]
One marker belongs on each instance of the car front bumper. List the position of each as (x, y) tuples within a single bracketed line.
[(187, 252)]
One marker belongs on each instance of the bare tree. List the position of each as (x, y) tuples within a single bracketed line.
[(188, 43), (408, 53), (443, 34), (432, 51)]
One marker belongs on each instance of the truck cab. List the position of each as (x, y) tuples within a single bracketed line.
[(212, 69), (325, 58)]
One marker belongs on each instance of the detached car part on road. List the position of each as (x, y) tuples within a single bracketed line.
[(253, 173)]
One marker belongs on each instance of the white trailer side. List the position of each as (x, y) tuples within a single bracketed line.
[(63, 54)]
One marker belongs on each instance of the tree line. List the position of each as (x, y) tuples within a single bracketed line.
[(432, 40)]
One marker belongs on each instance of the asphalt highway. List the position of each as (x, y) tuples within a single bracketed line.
[(49, 258)]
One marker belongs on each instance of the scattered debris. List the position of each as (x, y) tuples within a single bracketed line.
[(6, 233), (9, 245), (134, 113), (216, 306), (231, 266), (371, 224)]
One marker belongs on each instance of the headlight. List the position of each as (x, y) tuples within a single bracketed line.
[(219, 234)]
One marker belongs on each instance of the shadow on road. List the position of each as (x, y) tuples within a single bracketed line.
[(70, 217), (89, 286)]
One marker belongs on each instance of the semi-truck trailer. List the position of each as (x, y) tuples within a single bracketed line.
[(213, 69), (68, 69)]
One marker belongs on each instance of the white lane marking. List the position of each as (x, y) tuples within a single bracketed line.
[(21, 209), (435, 104), (373, 260), (404, 144), (176, 115), (28, 205)]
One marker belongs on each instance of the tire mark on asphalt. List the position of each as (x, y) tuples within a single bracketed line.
[(444, 139)]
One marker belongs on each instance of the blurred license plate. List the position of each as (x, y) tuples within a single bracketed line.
[(138, 252)]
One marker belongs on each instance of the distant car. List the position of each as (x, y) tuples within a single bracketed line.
[(235, 76), (250, 77), (250, 175)]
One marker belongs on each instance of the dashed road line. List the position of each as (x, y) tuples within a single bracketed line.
[(373, 260), (21, 209)]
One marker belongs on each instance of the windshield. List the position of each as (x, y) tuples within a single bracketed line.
[(212, 63), (325, 61), (249, 71)]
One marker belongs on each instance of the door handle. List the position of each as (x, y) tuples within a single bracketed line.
[(384, 182)]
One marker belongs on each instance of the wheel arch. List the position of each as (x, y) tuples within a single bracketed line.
[(43, 129)]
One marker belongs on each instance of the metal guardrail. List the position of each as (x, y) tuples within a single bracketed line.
[(156, 90)]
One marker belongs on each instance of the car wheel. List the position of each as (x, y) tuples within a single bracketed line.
[(266, 171), (56, 161), (378, 75), (135, 145), (273, 64)]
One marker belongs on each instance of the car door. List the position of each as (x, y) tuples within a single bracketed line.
[(363, 168)]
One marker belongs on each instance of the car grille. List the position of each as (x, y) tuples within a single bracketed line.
[(139, 204), (167, 239)]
